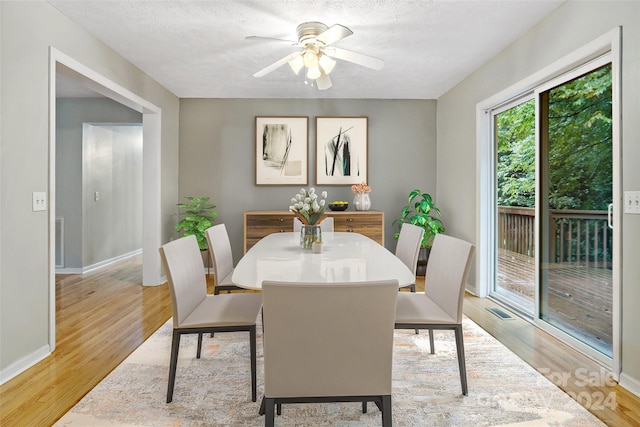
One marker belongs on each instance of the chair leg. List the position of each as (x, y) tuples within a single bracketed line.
[(269, 416), (461, 361), (252, 345), (413, 289), (175, 346), (431, 343), (279, 408), (387, 420), (364, 407), (199, 346)]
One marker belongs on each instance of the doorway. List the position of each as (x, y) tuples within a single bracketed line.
[(549, 199), (553, 192), (151, 209)]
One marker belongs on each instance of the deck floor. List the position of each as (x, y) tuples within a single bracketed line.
[(579, 296)]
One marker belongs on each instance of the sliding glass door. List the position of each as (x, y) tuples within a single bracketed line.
[(575, 185), (553, 196)]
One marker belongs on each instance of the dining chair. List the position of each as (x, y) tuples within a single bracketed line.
[(328, 342), (196, 312), (221, 258), (408, 248), (326, 225), (440, 306)]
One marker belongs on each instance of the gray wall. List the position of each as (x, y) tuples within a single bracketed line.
[(217, 146), (71, 113), (27, 30), (573, 25)]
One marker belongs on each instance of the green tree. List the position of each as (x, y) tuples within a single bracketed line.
[(515, 131), (580, 151)]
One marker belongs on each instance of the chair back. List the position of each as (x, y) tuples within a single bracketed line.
[(182, 262), (408, 246), (447, 271), (219, 251), (328, 339), (325, 225)]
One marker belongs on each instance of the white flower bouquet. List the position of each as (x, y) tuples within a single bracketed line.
[(309, 207)]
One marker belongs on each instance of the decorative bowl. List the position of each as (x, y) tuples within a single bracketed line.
[(338, 206)]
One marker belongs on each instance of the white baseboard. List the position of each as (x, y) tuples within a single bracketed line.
[(471, 290), (630, 383), (23, 364), (68, 270), (98, 265)]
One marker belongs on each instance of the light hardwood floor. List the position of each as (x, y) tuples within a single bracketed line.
[(103, 316)]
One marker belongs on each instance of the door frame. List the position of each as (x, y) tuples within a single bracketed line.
[(609, 43), (151, 179)]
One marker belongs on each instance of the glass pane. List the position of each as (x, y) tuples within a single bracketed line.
[(515, 195), (576, 269)]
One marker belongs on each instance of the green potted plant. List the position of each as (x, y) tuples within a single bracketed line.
[(199, 215), (425, 214)]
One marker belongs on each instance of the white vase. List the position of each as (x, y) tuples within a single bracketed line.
[(362, 202)]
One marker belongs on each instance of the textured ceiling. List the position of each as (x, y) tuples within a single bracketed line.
[(197, 49)]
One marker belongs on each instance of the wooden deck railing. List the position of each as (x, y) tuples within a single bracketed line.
[(578, 237)]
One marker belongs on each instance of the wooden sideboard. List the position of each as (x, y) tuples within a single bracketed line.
[(258, 224)]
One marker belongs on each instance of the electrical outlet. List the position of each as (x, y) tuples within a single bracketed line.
[(632, 202), (39, 201)]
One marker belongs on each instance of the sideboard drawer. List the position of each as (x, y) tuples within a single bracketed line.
[(260, 224), (368, 223)]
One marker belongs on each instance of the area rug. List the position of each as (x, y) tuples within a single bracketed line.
[(215, 390)]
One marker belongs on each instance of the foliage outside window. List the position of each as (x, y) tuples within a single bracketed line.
[(579, 145)]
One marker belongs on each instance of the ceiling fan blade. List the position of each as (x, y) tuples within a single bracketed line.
[(271, 39), (355, 57), (333, 34), (279, 63), (323, 82)]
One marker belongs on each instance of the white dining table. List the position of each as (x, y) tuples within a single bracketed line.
[(345, 257)]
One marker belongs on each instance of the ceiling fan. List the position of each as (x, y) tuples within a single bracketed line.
[(317, 54)]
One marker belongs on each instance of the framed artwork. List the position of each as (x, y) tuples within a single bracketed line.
[(342, 150), (282, 150)]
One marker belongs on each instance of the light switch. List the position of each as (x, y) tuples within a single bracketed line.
[(39, 201), (632, 202)]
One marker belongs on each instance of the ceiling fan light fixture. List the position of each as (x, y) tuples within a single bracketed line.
[(327, 63), (310, 58), (317, 54), (313, 72), (296, 64)]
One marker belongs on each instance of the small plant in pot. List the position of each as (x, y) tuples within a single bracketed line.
[(199, 215), (421, 211)]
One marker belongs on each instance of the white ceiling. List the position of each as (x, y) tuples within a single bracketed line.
[(197, 49)]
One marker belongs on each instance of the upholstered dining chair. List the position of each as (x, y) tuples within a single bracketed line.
[(195, 312), (221, 258), (326, 225), (408, 248), (328, 342), (440, 306)]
